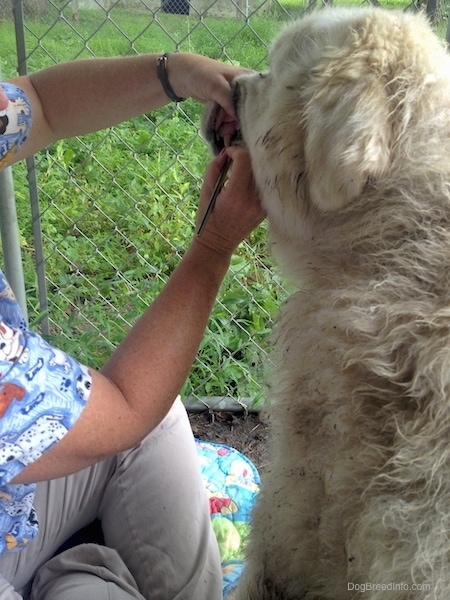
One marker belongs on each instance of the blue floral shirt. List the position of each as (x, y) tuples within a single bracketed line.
[(42, 393)]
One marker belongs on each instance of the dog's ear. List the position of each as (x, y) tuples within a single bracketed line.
[(347, 138)]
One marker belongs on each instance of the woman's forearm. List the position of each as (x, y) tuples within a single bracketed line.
[(83, 96), (88, 95), (167, 336)]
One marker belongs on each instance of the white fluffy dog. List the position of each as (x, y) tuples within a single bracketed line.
[(349, 134)]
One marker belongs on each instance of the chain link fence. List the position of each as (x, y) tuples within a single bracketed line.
[(104, 219)]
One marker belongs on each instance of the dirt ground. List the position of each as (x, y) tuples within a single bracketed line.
[(247, 433)]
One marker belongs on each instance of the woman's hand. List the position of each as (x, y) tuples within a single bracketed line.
[(238, 208), (204, 79)]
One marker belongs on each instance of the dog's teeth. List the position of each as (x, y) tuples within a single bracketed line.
[(227, 140)]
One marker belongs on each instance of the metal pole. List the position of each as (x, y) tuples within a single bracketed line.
[(38, 246), (9, 232), (32, 182)]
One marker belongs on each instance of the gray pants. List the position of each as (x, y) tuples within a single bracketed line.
[(152, 505)]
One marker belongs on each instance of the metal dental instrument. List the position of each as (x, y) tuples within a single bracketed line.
[(216, 191)]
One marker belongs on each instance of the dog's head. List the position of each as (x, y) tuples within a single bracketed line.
[(325, 120)]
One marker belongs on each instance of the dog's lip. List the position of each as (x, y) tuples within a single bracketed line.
[(236, 96), (224, 128)]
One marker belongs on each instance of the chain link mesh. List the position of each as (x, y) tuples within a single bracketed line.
[(115, 210)]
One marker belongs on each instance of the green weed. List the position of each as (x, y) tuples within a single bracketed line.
[(118, 207)]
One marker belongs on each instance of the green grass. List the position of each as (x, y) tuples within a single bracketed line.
[(115, 228), (118, 207), (120, 33)]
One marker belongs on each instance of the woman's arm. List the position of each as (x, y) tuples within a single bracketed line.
[(82, 96), (139, 383)]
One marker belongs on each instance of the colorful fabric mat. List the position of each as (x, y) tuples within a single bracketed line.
[(232, 483)]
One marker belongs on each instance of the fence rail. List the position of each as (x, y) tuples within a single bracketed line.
[(103, 219)]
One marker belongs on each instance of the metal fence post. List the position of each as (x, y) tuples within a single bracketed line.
[(9, 231), (19, 29)]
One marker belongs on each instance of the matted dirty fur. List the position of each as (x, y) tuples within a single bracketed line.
[(349, 134)]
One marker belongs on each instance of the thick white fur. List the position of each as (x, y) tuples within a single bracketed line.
[(349, 134)]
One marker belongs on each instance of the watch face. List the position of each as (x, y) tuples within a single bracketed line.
[(15, 121)]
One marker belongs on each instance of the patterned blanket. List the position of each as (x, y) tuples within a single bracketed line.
[(232, 483)]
